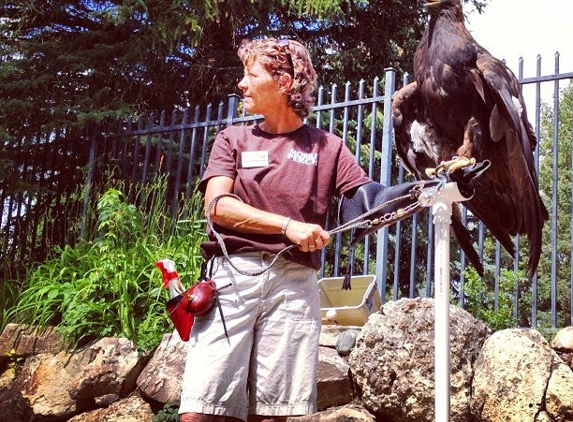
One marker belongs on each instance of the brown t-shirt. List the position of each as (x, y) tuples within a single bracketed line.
[(294, 174)]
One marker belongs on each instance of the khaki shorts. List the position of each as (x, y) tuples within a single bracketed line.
[(268, 364)]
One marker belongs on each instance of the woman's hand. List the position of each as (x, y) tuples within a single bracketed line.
[(308, 237)]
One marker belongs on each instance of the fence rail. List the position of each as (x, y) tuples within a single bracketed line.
[(38, 212)]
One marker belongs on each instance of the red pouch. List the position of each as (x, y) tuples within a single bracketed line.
[(199, 299), (182, 320)]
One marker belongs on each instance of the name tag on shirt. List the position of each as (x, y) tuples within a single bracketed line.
[(250, 159)]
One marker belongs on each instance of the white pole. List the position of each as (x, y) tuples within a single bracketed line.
[(442, 212)]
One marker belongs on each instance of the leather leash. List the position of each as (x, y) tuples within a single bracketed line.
[(423, 198)]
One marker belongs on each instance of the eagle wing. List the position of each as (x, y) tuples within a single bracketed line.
[(419, 148), (510, 146)]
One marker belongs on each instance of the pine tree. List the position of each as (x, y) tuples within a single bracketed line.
[(72, 63)]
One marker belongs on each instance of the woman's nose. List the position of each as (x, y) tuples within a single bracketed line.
[(242, 84)]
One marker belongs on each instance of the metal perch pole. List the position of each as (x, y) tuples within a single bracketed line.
[(442, 212)]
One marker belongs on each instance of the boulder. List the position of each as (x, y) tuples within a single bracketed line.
[(518, 377), (19, 340), (559, 394), (333, 385), (563, 340), (393, 361), (129, 409), (62, 385), (162, 377)]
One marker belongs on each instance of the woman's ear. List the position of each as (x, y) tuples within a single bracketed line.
[(285, 82)]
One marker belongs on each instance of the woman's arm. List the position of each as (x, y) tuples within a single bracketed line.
[(231, 213)]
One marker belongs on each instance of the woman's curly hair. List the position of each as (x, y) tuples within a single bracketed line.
[(285, 56)]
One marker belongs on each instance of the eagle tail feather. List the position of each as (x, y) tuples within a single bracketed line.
[(464, 240)]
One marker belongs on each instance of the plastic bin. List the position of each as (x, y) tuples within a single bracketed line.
[(348, 307)]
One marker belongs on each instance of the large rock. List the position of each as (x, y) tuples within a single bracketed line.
[(19, 340), (349, 413), (518, 377), (333, 384), (563, 345), (559, 394), (59, 386), (393, 361), (563, 340), (162, 377), (129, 409)]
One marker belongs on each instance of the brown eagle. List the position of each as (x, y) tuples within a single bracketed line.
[(467, 105)]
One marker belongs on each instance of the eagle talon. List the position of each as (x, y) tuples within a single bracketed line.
[(457, 163), (430, 172), (434, 171), (460, 163)]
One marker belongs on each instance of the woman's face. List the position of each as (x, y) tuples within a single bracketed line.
[(261, 91)]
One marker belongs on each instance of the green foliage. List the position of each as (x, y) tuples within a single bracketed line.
[(9, 295), (169, 413), (118, 221), (109, 285), (480, 300)]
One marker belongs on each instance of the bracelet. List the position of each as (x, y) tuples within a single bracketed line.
[(285, 225)]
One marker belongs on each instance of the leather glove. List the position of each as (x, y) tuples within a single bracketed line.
[(378, 206), (384, 205)]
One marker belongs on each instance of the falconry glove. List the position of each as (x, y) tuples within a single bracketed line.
[(373, 206)]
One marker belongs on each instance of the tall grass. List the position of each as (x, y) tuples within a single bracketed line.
[(108, 285)]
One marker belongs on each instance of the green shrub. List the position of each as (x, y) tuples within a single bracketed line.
[(109, 285), (169, 413), (479, 299)]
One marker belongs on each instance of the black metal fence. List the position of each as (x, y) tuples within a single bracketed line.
[(44, 207)]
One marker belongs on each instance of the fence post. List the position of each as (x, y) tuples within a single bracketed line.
[(232, 108), (385, 179)]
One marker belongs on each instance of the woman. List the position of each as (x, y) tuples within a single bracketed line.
[(284, 174), (268, 186)]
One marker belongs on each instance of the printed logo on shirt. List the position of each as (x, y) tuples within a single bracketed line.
[(307, 158)]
